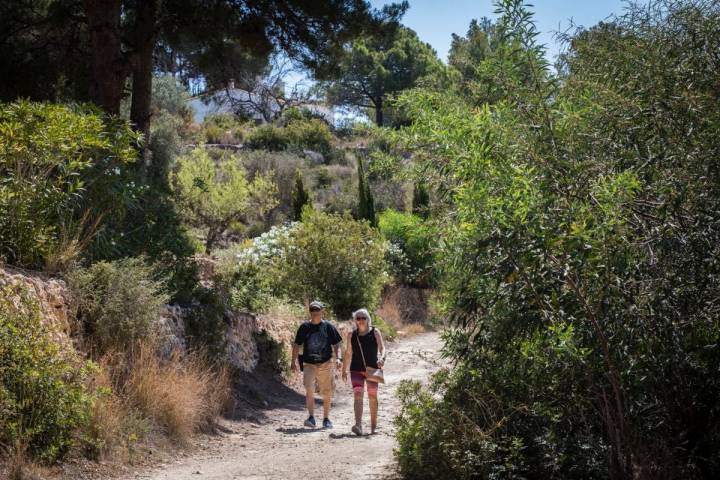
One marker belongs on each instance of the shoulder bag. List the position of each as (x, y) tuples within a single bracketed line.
[(371, 374)]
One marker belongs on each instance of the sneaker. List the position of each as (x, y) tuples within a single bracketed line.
[(310, 422), (357, 430), (327, 423)]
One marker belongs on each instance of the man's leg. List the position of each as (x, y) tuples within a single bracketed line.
[(372, 388), (309, 374), (325, 382)]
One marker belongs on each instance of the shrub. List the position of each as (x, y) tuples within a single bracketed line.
[(179, 396), (313, 134), (223, 128), (214, 197), (47, 155), (387, 330), (268, 137), (410, 255), (118, 302), (205, 327), (42, 396), (579, 257), (334, 258), (251, 274)]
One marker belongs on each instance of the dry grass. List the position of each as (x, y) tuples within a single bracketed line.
[(140, 393), (412, 329), (180, 395), (19, 465)]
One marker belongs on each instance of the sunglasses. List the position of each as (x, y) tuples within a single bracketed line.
[(315, 309), (360, 318)]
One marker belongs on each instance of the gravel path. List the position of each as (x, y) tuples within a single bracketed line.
[(281, 448)]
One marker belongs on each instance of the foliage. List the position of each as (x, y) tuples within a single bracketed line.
[(379, 65), (42, 396), (268, 137), (336, 259), (213, 197), (205, 327), (49, 156), (421, 200), (300, 197), (251, 275), (579, 268), (223, 128), (118, 302), (387, 330), (313, 134), (411, 255)]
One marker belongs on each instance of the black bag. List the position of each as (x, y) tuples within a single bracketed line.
[(300, 361)]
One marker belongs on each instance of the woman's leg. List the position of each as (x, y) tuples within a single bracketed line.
[(358, 384), (372, 389)]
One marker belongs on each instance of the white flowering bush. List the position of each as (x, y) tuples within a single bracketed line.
[(250, 272), (330, 257)]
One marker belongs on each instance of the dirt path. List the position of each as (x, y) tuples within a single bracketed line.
[(281, 448)]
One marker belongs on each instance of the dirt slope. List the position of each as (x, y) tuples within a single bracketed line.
[(281, 448)]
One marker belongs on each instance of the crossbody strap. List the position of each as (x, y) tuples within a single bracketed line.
[(361, 350)]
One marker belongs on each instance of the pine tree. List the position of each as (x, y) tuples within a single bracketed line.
[(421, 200), (300, 197), (366, 203)]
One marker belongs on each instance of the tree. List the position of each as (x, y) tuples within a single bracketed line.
[(210, 40), (300, 197), (378, 65), (468, 52), (366, 203), (213, 198)]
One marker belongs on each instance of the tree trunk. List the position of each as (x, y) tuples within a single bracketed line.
[(142, 65), (379, 112), (109, 67)]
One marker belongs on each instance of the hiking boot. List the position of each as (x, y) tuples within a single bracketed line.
[(357, 430), (310, 422), (327, 423)]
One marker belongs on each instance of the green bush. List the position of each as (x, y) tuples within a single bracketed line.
[(251, 274), (213, 197), (42, 396), (223, 128), (387, 330), (49, 154), (118, 302), (268, 137), (205, 327), (334, 258), (312, 134), (579, 257), (411, 255)]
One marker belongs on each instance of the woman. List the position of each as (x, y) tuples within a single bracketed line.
[(370, 340)]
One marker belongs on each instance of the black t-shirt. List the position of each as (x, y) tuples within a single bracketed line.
[(317, 341)]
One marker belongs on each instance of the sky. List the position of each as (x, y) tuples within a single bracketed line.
[(435, 21)]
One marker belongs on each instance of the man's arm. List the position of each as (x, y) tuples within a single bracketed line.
[(293, 356)]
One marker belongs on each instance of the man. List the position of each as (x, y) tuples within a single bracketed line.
[(319, 339)]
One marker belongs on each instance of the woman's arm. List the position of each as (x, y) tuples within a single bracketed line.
[(347, 356), (381, 348)]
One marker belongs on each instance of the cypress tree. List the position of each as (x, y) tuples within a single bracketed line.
[(366, 203), (421, 200), (300, 197)]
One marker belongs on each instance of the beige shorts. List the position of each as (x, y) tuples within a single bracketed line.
[(323, 373)]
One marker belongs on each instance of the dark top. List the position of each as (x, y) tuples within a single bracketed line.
[(369, 346), (317, 341)]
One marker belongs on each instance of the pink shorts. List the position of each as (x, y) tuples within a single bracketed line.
[(358, 383)]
